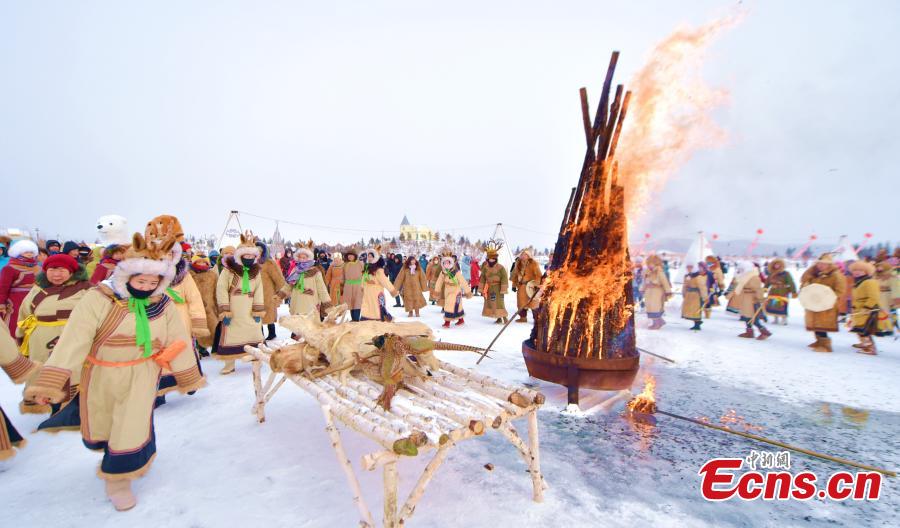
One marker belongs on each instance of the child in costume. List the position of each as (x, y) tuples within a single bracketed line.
[(121, 335), (239, 294), (451, 287)]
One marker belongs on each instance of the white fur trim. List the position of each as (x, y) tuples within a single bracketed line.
[(337, 256), (22, 246), (375, 251), (141, 266), (306, 251), (246, 250)]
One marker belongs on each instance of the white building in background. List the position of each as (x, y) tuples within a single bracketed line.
[(413, 233)]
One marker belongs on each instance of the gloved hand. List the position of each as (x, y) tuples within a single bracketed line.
[(258, 319), (226, 321)]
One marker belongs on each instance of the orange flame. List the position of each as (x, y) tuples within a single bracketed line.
[(645, 402), (670, 116)]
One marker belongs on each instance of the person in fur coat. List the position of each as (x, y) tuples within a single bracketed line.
[(432, 273), (748, 298), (19, 369), (273, 281), (868, 318), (656, 290), (46, 309), (334, 278), (120, 336), (452, 287), (496, 284), (352, 294), (16, 280), (205, 277), (241, 302), (411, 284), (889, 287), (527, 271), (695, 297), (824, 272), (781, 290), (305, 285), (375, 282)]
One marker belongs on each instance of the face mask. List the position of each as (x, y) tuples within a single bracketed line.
[(247, 261), (138, 294)]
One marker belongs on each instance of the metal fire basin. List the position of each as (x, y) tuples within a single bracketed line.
[(575, 373)]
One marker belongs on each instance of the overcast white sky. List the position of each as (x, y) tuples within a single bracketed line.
[(350, 114)]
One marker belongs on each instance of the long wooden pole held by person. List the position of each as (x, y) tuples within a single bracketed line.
[(511, 319)]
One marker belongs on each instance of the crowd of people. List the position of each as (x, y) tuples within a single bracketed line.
[(101, 337), (864, 294)]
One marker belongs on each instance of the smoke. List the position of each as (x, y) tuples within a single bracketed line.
[(670, 116)]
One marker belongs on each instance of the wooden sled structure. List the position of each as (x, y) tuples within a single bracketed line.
[(433, 414)]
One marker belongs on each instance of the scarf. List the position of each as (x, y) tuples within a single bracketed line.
[(141, 324), (245, 280), (298, 274), (174, 295)]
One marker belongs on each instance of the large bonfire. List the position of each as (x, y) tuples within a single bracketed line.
[(584, 331)]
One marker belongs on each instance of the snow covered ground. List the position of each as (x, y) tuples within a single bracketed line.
[(217, 467)]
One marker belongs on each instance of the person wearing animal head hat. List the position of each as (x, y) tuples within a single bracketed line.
[(868, 318), (656, 290), (121, 335), (182, 289), (273, 281), (334, 278), (374, 282), (695, 295), (747, 298), (411, 284), (19, 369), (432, 273), (781, 289), (46, 310), (305, 285), (352, 291), (241, 302), (526, 273), (452, 287), (824, 272), (16, 280), (495, 280)]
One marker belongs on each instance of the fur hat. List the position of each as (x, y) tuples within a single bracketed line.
[(337, 256), (307, 249), (885, 266), (447, 258), (247, 247), (527, 252), (826, 258), (867, 268), (353, 250), (22, 246), (775, 265), (61, 260), (162, 228), (225, 250), (492, 248), (143, 258), (373, 253)]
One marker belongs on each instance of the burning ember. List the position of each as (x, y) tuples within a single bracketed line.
[(645, 402), (732, 420)]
